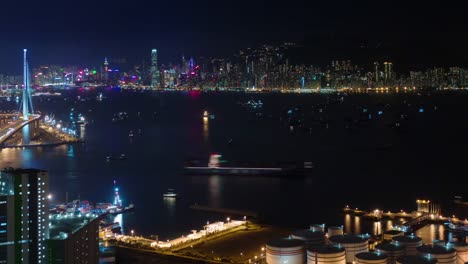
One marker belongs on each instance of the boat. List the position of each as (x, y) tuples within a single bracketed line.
[(121, 157), (170, 194), (276, 169)]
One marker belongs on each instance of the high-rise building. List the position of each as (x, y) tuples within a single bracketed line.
[(24, 215), (376, 71), (154, 69), (388, 71), (73, 240), (106, 69)]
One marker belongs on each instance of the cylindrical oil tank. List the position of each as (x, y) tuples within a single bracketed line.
[(285, 250), (353, 245), (444, 255), (409, 242), (438, 242), (392, 250), (388, 235), (318, 227), (371, 258), (326, 254), (335, 231), (415, 260), (309, 237), (462, 251)]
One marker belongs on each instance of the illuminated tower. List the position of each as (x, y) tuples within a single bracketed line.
[(388, 70), (376, 69), (117, 201), (106, 69), (154, 69), (25, 85)]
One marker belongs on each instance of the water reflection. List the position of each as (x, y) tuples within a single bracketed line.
[(82, 132), (170, 205), (71, 151), (432, 232), (214, 190), (205, 128), (377, 228), (389, 225), (357, 225), (347, 224)]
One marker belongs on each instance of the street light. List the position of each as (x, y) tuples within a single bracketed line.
[(133, 233), (228, 219)]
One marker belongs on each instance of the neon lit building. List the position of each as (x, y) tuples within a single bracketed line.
[(154, 69), (24, 215)]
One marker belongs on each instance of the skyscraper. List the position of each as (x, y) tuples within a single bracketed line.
[(376, 70), (24, 215), (388, 71), (154, 69), (106, 69)]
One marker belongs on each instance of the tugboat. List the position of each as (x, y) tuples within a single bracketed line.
[(170, 194)]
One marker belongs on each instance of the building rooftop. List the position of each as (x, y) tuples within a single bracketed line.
[(407, 239), (393, 232), (286, 242), (326, 249), (435, 249), (61, 226), (345, 239), (389, 247), (416, 260), (309, 234), (371, 256)]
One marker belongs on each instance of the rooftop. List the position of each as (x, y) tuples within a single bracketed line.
[(435, 249), (371, 256), (286, 242), (326, 249), (406, 239), (62, 225), (416, 260), (348, 239), (389, 246)]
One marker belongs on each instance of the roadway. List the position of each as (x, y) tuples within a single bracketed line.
[(7, 131)]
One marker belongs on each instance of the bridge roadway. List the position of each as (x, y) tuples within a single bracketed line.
[(8, 131)]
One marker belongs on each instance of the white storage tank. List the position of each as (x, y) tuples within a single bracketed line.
[(392, 250), (444, 255), (416, 260), (388, 235), (309, 237), (409, 242), (326, 254), (353, 245), (285, 250), (320, 228), (462, 251), (371, 258), (335, 231)]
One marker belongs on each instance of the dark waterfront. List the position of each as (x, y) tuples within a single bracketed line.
[(368, 163)]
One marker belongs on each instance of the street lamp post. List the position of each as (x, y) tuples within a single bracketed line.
[(133, 233)]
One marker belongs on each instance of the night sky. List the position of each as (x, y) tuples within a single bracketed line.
[(416, 34)]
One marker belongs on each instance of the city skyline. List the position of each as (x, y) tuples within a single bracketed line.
[(412, 35)]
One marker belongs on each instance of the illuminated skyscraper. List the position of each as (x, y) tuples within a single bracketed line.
[(106, 69), (154, 69), (24, 215), (376, 70), (388, 71)]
